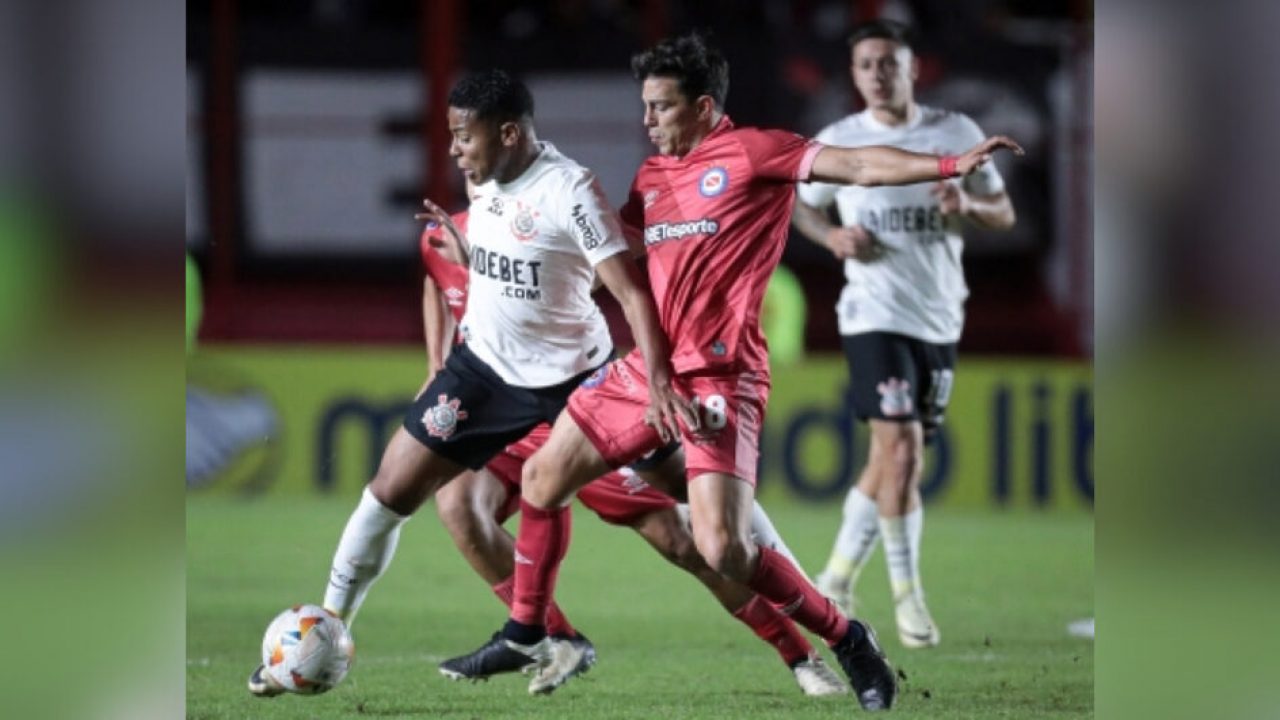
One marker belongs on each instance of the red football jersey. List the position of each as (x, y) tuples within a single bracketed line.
[(449, 276), (715, 224)]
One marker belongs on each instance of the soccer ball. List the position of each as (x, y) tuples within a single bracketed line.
[(307, 650)]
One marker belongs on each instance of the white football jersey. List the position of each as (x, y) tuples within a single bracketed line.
[(535, 242), (916, 286)]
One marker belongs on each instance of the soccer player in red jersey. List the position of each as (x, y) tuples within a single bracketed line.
[(714, 206), (475, 505)]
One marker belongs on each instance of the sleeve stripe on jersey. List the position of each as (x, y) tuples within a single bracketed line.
[(806, 163)]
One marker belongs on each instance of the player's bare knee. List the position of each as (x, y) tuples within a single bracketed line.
[(715, 553), (393, 492), (540, 482), (534, 482), (455, 510), (723, 551), (404, 480)]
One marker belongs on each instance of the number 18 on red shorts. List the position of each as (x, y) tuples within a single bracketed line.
[(609, 407)]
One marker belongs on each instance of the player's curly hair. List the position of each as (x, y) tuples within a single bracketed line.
[(697, 67), (493, 95)]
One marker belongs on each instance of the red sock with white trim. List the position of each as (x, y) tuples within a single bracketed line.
[(782, 584), (774, 628)]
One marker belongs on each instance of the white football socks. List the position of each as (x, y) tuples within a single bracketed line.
[(765, 534), (364, 552), (856, 539), (902, 550)]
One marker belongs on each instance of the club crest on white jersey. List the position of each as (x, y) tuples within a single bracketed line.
[(524, 226)]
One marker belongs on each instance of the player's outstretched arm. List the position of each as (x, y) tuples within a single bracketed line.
[(882, 165), (622, 277)]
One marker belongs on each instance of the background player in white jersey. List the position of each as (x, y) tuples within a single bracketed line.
[(540, 231), (901, 311)]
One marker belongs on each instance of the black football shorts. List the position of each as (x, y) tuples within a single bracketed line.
[(469, 414), (899, 378)]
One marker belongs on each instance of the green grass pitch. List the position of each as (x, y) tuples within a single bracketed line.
[(1002, 587)]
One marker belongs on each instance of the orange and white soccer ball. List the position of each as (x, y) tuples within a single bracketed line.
[(307, 650)]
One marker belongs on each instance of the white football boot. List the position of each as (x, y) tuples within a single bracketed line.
[(569, 657), (916, 628), (817, 679)]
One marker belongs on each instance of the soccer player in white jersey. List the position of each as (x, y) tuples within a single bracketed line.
[(540, 231), (901, 310)]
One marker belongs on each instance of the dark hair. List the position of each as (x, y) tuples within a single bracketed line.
[(883, 30), (698, 68), (494, 96)]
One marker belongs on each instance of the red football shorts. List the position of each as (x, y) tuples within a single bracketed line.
[(609, 407), (619, 497)]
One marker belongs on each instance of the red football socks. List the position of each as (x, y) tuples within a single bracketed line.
[(774, 628), (781, 584), (557, 623), (541, 544)]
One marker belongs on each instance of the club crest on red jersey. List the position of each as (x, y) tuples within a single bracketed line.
[(713, 181), (442, 418), (523, 226), (650, 198)]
